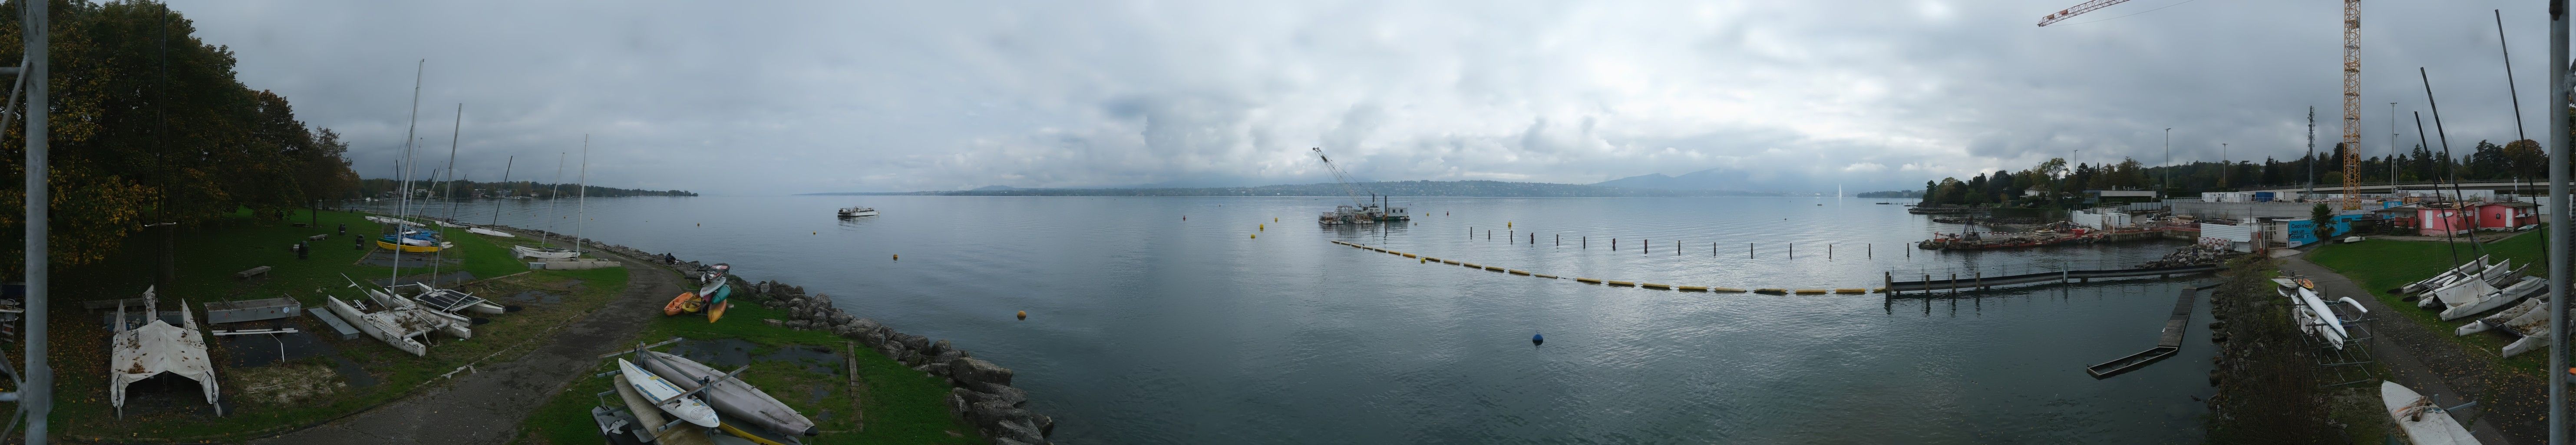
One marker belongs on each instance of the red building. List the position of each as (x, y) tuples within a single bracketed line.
[(2506, 215)]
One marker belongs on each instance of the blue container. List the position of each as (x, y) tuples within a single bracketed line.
[(2263, 196)]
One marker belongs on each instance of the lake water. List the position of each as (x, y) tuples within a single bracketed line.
[(1145, 328)]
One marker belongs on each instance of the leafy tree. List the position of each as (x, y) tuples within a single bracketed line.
[(2321, 215), (143, 132)]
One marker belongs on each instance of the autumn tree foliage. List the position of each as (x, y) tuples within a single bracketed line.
[(149, 125)]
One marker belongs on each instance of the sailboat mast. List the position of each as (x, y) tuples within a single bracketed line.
[(553, 190), (409, 133), (580, 207), (505, 182), (450, 191)]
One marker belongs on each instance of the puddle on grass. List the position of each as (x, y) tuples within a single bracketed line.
[(724, 354), (536, 297), (816, 395), (169, 394), (822, 416), (245, 351)]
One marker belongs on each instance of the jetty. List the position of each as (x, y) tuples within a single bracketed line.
[(1979, 281), (2167, 342)]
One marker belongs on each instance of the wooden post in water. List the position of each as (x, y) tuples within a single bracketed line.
[(1614, 244), (1886, 283), (1829, 251), (1560, 240), (1793, 251), (1954, 283), (1868, 251), (1649, 249), (1587, 242), (1533, 238), (1748, 251), (1980, 280)]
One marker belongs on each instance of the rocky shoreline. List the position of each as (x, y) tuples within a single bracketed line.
[(981, 391)]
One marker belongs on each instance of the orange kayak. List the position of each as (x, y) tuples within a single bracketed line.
[(716, 311), (685, 303)]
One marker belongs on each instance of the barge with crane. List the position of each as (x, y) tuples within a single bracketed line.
[(1369, 211)]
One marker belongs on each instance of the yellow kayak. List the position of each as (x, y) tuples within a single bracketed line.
[(716, 311), (406, 248)]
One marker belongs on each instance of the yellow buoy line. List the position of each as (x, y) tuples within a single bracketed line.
[(1424, 259)]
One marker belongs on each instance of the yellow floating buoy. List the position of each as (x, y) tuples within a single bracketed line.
[(1541, 275), (1771, 290), (1024, 315), (1262, 227), (1691, 288), (1507, 224), (1274, 220), (1426, 261), (1811, 291), (1518, 272), (1588, 280), (1256, 236), (1620, 283), (1725, 289), (898, 257), (1851, 290)]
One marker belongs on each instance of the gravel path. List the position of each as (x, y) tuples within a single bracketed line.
[(486, 407), (2512, 406)]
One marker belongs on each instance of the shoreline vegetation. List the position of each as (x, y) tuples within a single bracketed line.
[(2269, 390), (1398, 189), (900, 388)]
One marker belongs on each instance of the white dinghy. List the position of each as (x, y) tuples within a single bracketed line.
[(670, 398), (2424, 422), (2529, 286), (158, 347), (403, 327)]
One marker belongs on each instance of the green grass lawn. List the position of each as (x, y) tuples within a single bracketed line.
[(2379, 265), (206, 258), (900, 405)]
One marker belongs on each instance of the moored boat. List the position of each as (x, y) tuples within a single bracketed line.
[(489, 232), (853, 212)]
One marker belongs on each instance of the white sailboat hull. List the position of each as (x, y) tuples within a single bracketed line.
[(2423, 422), (688, 409), (542, 252), (490, 232), (2490, 301)]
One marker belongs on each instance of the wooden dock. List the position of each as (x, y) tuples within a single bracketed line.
[(2168, 342), (1979, 281)]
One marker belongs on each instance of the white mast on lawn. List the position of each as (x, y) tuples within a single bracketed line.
[(580, 209), (405, 202)]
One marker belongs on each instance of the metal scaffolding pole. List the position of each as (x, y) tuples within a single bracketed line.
[(37, 398), (2557, 221)]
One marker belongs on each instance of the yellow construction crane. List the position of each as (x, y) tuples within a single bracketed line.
[(2351, 88)]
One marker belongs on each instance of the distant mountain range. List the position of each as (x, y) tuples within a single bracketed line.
[(1391, 188)]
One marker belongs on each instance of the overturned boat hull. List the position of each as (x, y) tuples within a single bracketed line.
[(731, 397)]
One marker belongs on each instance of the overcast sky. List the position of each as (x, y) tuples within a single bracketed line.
[(787, 97)]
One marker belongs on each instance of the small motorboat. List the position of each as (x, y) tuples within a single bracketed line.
[(667, 396), (2425, 422), (853, 212), (730, 396)]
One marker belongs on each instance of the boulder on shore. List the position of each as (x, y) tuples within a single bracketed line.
[(970, 372)]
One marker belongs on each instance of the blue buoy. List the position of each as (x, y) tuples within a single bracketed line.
[(1536, 339)]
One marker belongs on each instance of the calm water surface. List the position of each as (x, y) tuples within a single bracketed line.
[(1145, 328)]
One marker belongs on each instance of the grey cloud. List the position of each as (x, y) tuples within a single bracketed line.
[(833, 96)]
